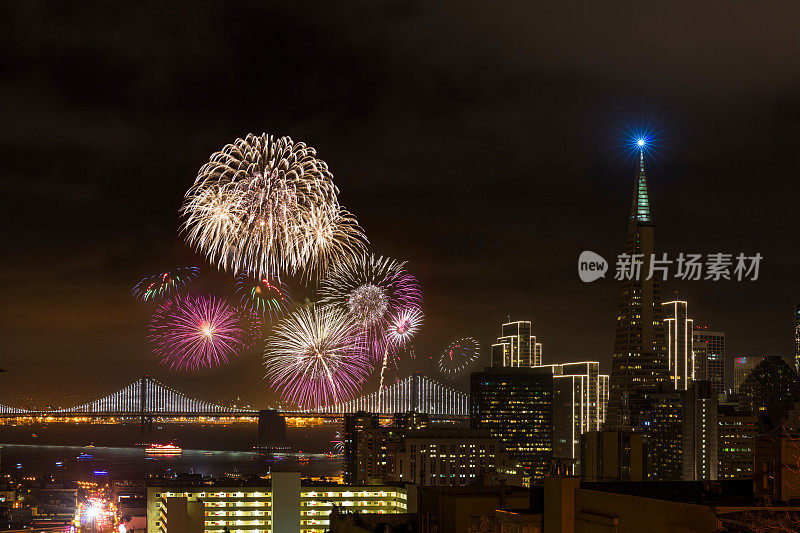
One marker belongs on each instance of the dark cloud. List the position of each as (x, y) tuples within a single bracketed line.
[(479, 141)]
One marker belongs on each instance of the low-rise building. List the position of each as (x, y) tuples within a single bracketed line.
[(283, 505), (447, 457)]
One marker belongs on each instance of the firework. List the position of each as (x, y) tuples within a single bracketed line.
[(313, 359), (268, 206), (264, 297), (371, 290), (458, 355), (402, 326), (164, 284), (196, 332)]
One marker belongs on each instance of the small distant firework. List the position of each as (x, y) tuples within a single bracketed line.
[(264, 297), (458, 355), (164, 284), (196, 332), (404, 325), (267, 206), (371, 289), (313, 359)]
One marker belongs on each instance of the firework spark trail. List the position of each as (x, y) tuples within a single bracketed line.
[(313, 359), (263, 297), (268, 206), (403, 326), (164, 284), (458, 355), (195, 332), (371, 289)]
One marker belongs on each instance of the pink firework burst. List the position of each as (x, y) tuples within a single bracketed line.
[(313, 359), (196, 332)]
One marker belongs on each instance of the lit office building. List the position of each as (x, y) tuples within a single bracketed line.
[(680, 355), (579, 397), (742, 366), (516, 406), (517, 347), (284, 505), (735, 436), (665, 428), (700, 432), (709, 347), (450, 457)]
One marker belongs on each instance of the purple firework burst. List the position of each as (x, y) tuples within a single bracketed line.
[(196, 332)]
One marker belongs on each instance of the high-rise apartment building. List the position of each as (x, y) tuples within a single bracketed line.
[(700, 432), (354, 430), (517, 347), (680, 353), (516, 406), (639, 359), (710, 360)]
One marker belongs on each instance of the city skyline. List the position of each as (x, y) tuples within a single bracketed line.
[(108, 180)]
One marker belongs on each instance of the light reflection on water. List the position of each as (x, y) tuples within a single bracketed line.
[(35, 460)]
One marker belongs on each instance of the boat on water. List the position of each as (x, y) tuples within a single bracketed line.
[(162, 449)]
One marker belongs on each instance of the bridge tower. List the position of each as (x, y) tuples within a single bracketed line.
[(145, 419)]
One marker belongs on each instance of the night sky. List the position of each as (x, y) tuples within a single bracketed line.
[(484, 143)]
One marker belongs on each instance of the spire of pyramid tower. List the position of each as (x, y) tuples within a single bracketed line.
[(640, 204)]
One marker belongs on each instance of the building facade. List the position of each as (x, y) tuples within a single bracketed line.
[(282, 507), (580, 394), (639, 358), (614, 456), (711, 363), (680, 351), (517, 347), (516, 406), (742, 366), (700, 432), (735, 436), (770, 382), (354, 428), (665, 428), (449, 457)]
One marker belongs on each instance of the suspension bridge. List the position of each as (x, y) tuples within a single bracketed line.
[(146, 399)]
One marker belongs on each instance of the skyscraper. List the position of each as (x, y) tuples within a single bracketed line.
[(711, 365), (680, 353), (700, 432), (516, 406), (579, 396), (638, 362), (517, 347)]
